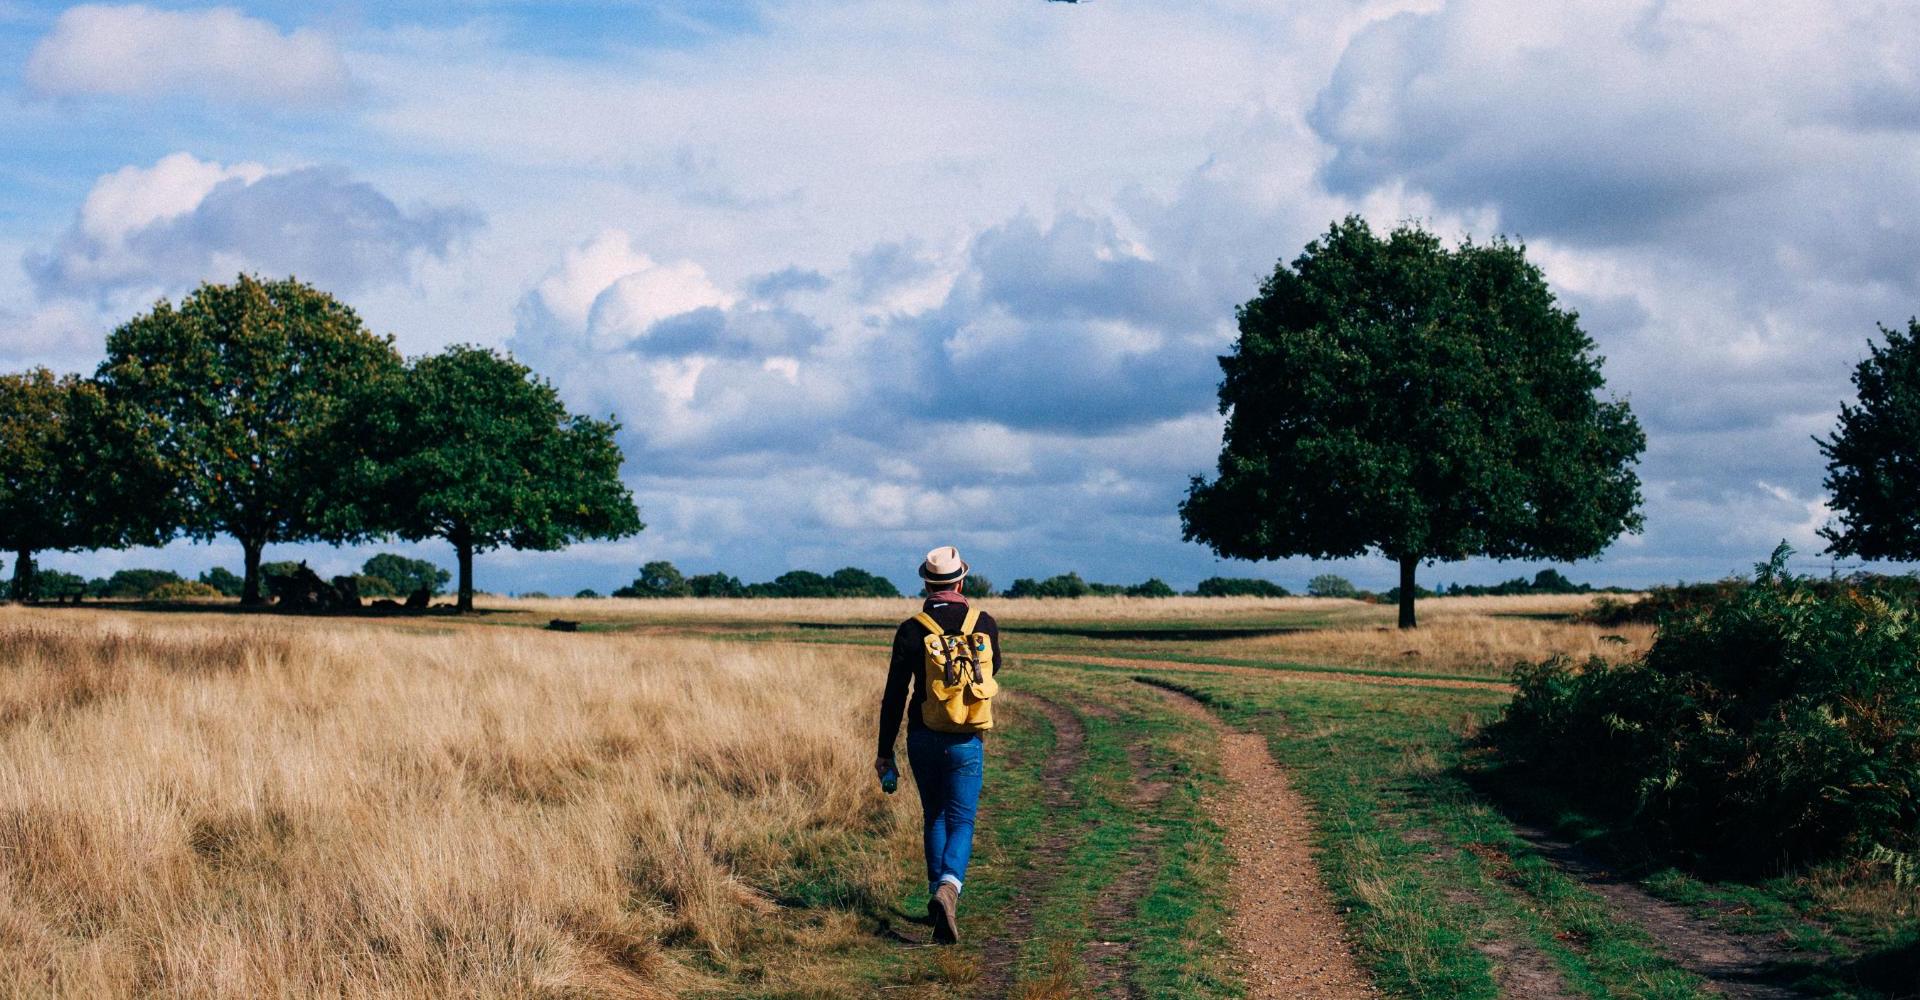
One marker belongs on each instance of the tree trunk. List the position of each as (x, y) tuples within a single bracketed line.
[(1407, 566), (23, 576), (465, 545), (250, 588)]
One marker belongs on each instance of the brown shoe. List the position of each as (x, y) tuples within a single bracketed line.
[(944, 908)]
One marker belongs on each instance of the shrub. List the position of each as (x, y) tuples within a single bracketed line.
[(52, 584), (282, 567), (224, 580), (183, 590), (587, 594), (851, 582), (657, 579), (139, 582), (375, 586), (1151, 587), (404, 576), (1064, 585), (1238, 586), (1774, 725), (716, 585), (1329, 585)]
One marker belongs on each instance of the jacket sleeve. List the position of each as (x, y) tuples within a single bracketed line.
[(893, 703)]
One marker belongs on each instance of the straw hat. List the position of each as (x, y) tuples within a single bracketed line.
[(943, 565)]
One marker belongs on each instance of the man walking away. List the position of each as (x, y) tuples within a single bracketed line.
[(947, 656)]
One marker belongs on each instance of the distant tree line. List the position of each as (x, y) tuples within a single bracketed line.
[(384, 575), (663, 579), (266, 411)]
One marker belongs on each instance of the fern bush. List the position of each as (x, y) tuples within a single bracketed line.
[(1774, 726)]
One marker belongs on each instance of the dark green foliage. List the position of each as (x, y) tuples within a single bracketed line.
[(1774, 726), (375, 586), (657, 579), (73, 475), (716, 585), (1071, 585), (471, 446), (1238, 586), (242, 388), (1547, 581), (281, 567), (587, 594), (54, 585), (1428, 404), (979, 586), (1873, 457), (1064, 585), (1330, 585), (663, 579), (1662, 602), (138, 582), (223, 580), (851, 582), (406, 575), (793, 583)]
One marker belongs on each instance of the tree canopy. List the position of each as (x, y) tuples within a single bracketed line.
[(241, 388), (471, 446), (71, 475), (406, 575), (1873, 457), (1428, 404)]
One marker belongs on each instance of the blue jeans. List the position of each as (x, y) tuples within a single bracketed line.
[(949, 768)]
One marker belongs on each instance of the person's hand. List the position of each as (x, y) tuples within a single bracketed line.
[(880, 766)]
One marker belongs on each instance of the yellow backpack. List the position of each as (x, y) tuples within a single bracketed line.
[(959, 677)]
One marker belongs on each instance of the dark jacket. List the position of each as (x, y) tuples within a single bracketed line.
[(909, 659)]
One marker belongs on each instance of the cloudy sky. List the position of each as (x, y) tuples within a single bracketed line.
[(860, 277)]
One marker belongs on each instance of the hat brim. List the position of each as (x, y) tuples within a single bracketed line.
[(927, 575)]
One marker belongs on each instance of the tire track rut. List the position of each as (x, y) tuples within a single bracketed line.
[(1001, 953), (1108, 955)]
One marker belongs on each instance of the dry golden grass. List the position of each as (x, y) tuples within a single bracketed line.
[(195, 807), (1453, 641)]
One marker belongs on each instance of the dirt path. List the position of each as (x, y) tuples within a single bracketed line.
[(1284, 922), (1741, 966), (1000, 955), (1278, 673)]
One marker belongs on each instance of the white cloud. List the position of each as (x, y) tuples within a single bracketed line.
[(609, 292), (133, 198), (160, 229), (220, 54)]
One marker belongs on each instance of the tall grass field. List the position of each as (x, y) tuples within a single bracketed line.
[(224, 807)]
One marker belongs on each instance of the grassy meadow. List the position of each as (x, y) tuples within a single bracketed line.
[(677, 801)]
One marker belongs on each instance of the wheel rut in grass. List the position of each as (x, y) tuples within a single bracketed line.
[(1284, 925), (1001, 952), (1741, 966), (1108, 956)]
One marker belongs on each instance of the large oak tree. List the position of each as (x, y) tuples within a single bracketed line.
[(1873, 457), (242, 388), (1428, 404), (472, 447)]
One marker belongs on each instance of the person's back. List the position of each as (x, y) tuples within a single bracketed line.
[(947, 714)]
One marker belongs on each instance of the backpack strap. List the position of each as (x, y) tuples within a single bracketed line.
[(973, 618), (926, 621)]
